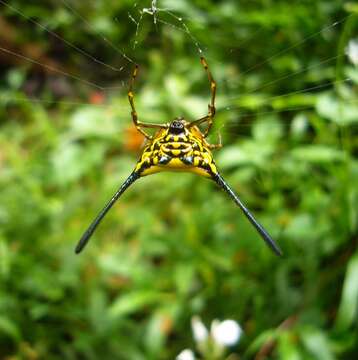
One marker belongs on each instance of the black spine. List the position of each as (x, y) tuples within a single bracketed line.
[(89, 232), (260, 229)]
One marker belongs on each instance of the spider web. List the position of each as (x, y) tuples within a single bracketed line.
[(169, 15), (180, 24)]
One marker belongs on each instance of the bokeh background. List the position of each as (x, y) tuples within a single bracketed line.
[(175, 246)]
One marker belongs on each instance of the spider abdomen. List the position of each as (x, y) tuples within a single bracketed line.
[(184, 151), (176, 149)]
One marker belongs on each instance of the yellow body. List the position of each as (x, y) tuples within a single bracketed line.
[(187, 151)]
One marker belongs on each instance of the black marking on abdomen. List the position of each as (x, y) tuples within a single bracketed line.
[(163, 160), (174, 145), (187, 160)]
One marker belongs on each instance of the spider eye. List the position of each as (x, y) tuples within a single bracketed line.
[(176, 127)]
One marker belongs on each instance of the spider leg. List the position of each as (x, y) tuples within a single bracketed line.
[(90, 230), (216, 146), (259, 228), (139, 125), (211, 107)]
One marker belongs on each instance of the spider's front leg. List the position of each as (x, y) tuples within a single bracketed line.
[(216, 146), (211, 107), (139, 125)]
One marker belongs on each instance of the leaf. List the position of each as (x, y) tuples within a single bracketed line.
[(16, 78), (248, 153), (5, 256), (301, 226), (352, 72), (184, 275), (299, 125), (134, 301), (89, 121), (9, 328), (341, 112), (351, 7), (317, 154), (71, 160), (287, 347), (317, 344), (267, 130), (348, 308), (158, 329), (265, 337)]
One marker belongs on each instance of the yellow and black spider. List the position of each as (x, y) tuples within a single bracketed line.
[(177, 146)]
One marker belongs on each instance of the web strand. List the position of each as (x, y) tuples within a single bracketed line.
[(298, 43), (289, 75), (280, 111), (53, 69), (103, 38), (103, 88), (154, 11), (137, 24), (303, 91), (78, 49), (4, 97), (186, 30)]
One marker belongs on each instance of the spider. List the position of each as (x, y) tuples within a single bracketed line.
[(177, 146)]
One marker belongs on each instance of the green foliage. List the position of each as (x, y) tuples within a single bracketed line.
[(175, 246)]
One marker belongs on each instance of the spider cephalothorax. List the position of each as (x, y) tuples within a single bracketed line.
[(177, 146)]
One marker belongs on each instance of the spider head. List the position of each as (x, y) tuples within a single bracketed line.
[(177, 126)]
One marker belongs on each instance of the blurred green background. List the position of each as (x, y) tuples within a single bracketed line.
[(175, 246)]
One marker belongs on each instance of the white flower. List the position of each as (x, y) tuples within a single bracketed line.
[(352, 51), (226, 333), (186, 354), (200, 332)]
